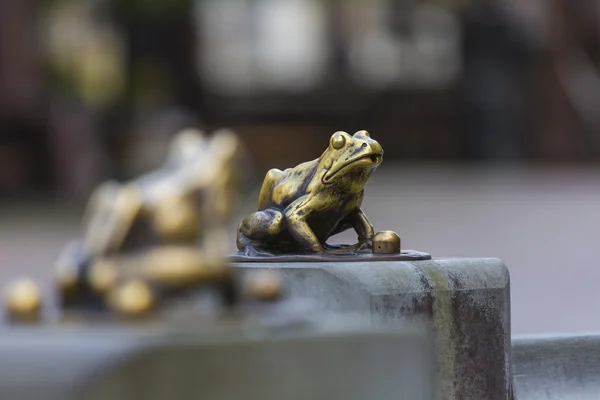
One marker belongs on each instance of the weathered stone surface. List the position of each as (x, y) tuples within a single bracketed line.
[(466, 300), (323, 358), (557, 368)]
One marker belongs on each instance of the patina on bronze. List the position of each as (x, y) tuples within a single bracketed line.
[(300, 208)]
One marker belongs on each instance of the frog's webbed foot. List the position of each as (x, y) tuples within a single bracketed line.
[(345, 248), (329, 247), (247, 248), (363, 245), (253, 251)]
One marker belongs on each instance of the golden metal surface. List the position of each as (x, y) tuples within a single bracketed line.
[(103, 275), (386, 242), (111, 211), (301, 207), (132, 299), (264, 286), (171, 266), (22, 300)]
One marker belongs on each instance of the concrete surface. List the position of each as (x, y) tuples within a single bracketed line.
[(467, 302), (557, 368), (544, 224), (319, 358)]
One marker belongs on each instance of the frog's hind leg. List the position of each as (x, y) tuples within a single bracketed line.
[(259, 228), (263, 225)]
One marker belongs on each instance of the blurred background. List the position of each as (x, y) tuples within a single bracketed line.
[(488, 111)]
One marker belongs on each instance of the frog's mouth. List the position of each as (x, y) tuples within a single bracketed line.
[(373, 159)]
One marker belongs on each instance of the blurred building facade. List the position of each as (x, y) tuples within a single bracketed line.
[(93, 89)]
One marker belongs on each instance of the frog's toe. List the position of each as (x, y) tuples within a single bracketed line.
[(364, 246), (250, 250), (261, 253)]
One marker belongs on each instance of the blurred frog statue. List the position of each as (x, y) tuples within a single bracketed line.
[(160, 234)]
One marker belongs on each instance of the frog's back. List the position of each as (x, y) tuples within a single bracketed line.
[(280, 188)]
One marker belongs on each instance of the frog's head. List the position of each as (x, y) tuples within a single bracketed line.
[(350, 160)]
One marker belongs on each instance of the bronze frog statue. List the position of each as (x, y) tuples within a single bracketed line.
[(301, 207)]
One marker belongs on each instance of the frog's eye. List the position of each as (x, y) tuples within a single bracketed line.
[(362, 133), (338, 141)]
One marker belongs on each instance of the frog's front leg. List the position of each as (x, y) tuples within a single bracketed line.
[(296, 216), (363, 228)]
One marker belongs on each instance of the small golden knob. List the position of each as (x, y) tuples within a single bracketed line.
[(386, 242), (22, 300)]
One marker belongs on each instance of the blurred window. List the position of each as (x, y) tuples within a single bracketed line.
[(286, 45), (261, 45)]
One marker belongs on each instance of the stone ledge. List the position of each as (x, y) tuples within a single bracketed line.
[(323, 358), (561, 367), (467, 301)]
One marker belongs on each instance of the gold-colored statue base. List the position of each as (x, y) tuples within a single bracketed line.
[(334, 256)]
